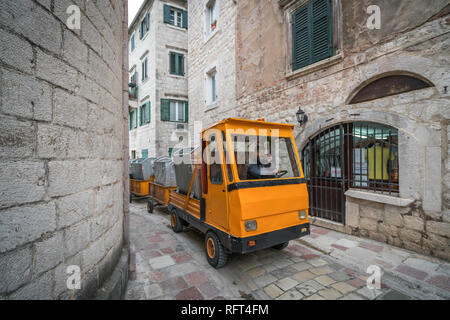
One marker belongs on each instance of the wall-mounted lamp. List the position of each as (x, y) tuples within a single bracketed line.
[(302, 118)]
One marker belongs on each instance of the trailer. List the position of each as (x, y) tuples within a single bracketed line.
[(244, 206), (157, 195), (139, 189)]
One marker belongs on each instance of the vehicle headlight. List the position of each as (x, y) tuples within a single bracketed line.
[(251, 225), (302, 214)]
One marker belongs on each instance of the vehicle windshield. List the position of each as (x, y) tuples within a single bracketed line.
[(264, 157)]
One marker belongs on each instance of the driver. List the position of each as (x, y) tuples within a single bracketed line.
[(263, 169)]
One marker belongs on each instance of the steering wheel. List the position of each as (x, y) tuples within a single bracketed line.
[(281, 173)]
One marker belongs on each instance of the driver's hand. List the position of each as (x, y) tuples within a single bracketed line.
[(276, 171)]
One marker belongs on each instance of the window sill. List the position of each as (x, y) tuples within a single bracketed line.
[(176, 76), (211, 106), (171, 26), (210, 36), (145, 35), (290, 75), (380, 198), (173, 121)]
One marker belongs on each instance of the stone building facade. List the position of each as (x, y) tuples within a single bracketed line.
[(211, 52), (392, 80), (63, 149), (166, 36)]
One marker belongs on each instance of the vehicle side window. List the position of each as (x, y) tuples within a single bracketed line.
[(226, 156), (215, 168)]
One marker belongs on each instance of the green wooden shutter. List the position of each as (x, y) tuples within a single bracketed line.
[(166, 13), (147, 112), (186, 112), (130, 121), (181, 66), (322, 39), (165, 110), (135, 118), (300, 38), (147, 21), (145, 153), (185, 19), (172, 63), (312, 33)]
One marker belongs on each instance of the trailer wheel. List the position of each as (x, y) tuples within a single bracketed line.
[(150, 206), (175, 222), (281, 246), (215, 252)]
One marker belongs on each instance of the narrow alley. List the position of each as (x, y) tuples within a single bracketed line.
[(173, 266)]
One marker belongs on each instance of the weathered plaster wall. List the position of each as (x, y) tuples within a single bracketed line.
[(407, 44), (62, 148)]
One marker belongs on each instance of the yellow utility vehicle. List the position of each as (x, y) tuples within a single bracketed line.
[(253, 192)]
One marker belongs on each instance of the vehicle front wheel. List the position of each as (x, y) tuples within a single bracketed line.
[(281, 246), (215, 252), (175, 222)]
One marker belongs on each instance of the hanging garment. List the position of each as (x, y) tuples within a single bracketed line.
[(377, 158)]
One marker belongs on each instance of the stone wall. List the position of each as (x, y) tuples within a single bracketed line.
[(416, 43), (219, 51), (62, 147)]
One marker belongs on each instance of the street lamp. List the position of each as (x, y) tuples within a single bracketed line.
[(302, 118)]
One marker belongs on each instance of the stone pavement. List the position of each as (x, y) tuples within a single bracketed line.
[(325, 265)]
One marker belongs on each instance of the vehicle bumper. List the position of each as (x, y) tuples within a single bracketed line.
[(269, 239)]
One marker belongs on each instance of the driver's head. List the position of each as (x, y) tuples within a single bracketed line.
[(264, 158)]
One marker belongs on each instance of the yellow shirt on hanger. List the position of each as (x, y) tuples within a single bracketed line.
[(375, 172)]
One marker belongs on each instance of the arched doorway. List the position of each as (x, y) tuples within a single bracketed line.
[(362, 155)]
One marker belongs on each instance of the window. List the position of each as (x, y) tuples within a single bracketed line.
[(133, 86), (210, 17), (132, 43), (133, 154), (176, 63), (211, 86), (174, 110), (176, 17), (144, 114), (215, 167), (144, 26), (144, 70), (360, 155), (145, 153), (264, 157), (312, 33), (133, 119), (227, 158)]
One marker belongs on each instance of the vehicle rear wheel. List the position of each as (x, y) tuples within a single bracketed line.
[(281, 246), (175, 222), (215, 252), (150, 206)]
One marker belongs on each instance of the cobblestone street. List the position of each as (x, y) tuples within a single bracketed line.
[(173, 266)]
